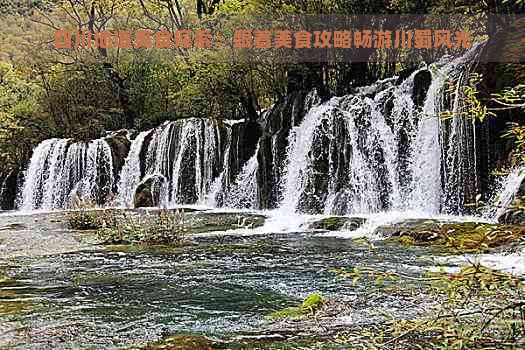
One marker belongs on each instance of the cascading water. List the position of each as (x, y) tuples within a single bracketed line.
[(378, 149), (506, 192), (355, 155), (130, 174), (222, 181), (186, 153), (244, 191), (60, 170)]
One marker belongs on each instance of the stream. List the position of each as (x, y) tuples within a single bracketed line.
[(60, 290)]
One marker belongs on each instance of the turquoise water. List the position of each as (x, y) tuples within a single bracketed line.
[(218, 287)]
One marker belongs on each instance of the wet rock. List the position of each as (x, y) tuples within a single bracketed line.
[(147, 193), (513, 216), (334, 223), (182, 342), (458, 237), (8, 186), (120, 145), (424, 230), (422, 82), (201, 222)]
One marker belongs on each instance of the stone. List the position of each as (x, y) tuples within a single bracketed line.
[(148, 192), (334, 223), (182, 342)]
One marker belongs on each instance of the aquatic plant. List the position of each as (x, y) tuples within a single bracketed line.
[(312, 303), (91, 219), (167, 227)]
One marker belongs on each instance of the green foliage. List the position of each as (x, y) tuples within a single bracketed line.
[(482, 308), (463, 237), (311, 304)]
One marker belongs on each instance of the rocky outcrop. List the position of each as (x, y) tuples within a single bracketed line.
[(147, 193), (8, 189), (422, 82), (334, 223), (119, 144)]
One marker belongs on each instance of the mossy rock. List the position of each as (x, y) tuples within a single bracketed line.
[(334, 223), (465, 237), (289, 312), (310, 304), (182, 342)]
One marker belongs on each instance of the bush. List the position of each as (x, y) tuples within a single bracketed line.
[(166, 228), (91, 219)]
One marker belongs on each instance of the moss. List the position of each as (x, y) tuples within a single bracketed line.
[(310, 304), (458, 237), (334, 223), (289, 312)]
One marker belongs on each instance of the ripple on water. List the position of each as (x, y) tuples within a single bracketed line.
[(117, 298)]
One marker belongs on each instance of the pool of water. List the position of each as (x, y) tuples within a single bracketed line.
[(219, 287)]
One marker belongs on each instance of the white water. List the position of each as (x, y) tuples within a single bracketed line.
[(506, 193), (60, 170), (130, 174), (244, 191), (179, 149)]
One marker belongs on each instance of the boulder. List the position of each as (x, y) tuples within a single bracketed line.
[(148, 191), (334, 223)]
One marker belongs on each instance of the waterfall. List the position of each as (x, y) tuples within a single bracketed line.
[(221, 183), (60, 171), (244, 191), (186, 153), (296, 173), (506, 192), (383, 147), (374, 150), (130, 174)]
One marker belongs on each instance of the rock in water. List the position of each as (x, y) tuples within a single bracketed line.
[(148, 192), (182, 342)]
